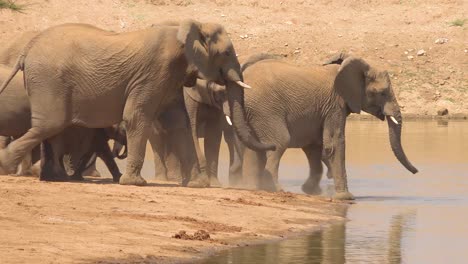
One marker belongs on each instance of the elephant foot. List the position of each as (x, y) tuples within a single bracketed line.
[(343, 196), (311, 187), (53, 178), (76, 178), (312, 190), (36, 169), (214, 182), (92, 173), (199, 183), (25, 172), (7, 165), (132, 180), (161, 177), (116, 178)]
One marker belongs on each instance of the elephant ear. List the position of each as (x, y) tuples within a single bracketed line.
[(195, 45), (200, 92), (350, 82)]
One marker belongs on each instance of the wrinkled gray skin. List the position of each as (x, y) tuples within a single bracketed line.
[(77, 74), (76, 144), (176, 149), (15, 120), (174, 152), (306, 108)]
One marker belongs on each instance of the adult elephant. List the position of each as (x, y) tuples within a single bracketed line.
[(174, 151), (205, 108), (77, 74), (175, 142), (78, 145), (306, 107)]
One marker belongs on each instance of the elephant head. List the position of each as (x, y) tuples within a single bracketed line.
[(210, 53), (118, 133), (210, 93), (366, 88)]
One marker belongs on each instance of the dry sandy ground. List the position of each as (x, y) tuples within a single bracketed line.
[(383, 32), (100, 222)]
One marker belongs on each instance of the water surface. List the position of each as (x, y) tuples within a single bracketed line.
[(398, 217)]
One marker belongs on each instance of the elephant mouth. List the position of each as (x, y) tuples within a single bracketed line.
[(380, 115)]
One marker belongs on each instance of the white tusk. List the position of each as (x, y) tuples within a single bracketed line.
[(228, 120), (394, 120), (242, 84)]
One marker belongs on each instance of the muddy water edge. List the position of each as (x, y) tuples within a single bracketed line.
[(398, 217)]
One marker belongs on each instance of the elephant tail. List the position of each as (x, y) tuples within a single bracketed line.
[(18, 66)]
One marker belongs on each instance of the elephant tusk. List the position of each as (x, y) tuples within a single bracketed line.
[(243, 85), (228, 120), (394, 120)]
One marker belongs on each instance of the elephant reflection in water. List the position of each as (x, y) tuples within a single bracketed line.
[(327, 246)]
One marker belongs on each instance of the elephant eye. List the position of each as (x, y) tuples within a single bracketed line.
[(227, 53)]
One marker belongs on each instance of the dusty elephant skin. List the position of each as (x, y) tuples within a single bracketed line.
[(173, 149), (77, 145), (307, 108), (130, 76), (200, 115)]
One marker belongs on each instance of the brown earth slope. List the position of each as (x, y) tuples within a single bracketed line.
[(99, 222), (388, 33)]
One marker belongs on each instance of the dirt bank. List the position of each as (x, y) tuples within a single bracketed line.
[(388, 33), (97, 221)]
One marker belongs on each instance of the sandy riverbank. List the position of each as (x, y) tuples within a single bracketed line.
[(97, 221)]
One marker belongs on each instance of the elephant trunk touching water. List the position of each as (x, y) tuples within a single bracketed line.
[(394, 133)]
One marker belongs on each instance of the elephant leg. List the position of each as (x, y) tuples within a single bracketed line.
[(252, 168), (104, 152), (269, 180), (236, 150), (213, 134), (47, 120), (314, 157), (334, 152), (138, 128), (185, 149), (192, 110), (4, 141), (92, 170), (159, 146), (26, 164), (51, 155)]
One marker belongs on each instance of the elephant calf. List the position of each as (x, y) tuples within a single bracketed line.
[(306, 107)]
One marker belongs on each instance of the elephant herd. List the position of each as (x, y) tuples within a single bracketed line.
[(71, 88)]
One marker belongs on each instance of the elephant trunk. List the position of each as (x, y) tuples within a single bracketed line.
[(236, 105), (394, 121), (117, 148)]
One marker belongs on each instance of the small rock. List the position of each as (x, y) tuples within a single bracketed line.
[(244, 36), (340, 35), (442, 112), (223, 15), (466, 50), (421, 52), (288, 22), (441, 40), (406, 52), (286, 44), (296, 51), (410, 57)]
